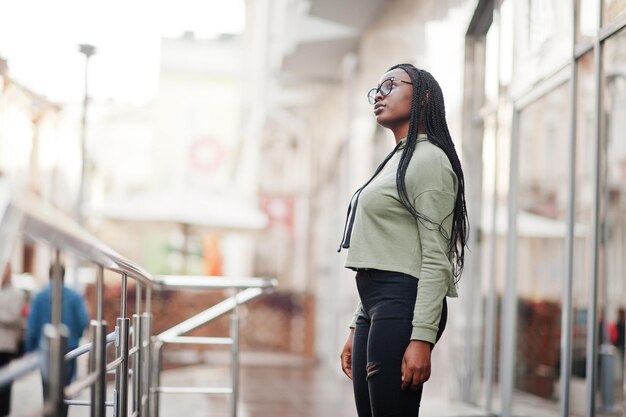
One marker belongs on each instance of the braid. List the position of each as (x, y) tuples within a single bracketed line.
[(426, 88)]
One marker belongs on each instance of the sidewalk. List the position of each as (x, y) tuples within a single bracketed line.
[(271, 386), (287, 391)]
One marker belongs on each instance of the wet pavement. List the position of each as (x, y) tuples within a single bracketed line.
[(270, 387)]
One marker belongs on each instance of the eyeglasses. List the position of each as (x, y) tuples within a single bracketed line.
[(384, 88)]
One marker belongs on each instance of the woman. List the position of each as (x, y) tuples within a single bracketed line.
[(406, 231)]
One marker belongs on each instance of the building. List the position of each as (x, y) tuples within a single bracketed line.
[(177, 192), (535, 95), (32, 134)]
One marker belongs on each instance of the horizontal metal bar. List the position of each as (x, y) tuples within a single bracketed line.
[(81, 350), (211, 282), (86, 403), (211, 313), (614, 27), (76, 387), (582, 48), (117, 362), (132, 351), (19, 368), (193, 390), (542, 88), (194, 340)]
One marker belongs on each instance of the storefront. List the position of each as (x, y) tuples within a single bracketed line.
[(545, 107)]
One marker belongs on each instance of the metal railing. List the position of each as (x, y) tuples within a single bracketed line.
[(246, 290), (137, 350)]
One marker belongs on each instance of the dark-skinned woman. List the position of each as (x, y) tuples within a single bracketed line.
[(406, 232)]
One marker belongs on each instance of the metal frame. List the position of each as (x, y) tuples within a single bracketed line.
[(246, 290), (509, 321), (592, 338), (490, 308), (565, 371), (520, 100), (138, 356), (474, 102), (509, 311)]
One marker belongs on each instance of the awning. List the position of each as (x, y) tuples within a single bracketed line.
[(219, 211)]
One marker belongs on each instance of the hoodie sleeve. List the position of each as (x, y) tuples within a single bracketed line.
[(436, 271), (433, 188), (355, 316)]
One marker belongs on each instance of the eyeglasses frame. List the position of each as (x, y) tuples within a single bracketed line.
[(376, 90)]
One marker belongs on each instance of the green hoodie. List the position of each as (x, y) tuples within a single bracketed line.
[(387, 237)]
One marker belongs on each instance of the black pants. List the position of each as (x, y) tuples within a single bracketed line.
[(5, 392), (382, 334)]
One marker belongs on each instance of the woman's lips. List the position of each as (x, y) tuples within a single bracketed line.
[(378, 108)]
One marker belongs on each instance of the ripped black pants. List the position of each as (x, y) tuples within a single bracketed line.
[(382, 334)]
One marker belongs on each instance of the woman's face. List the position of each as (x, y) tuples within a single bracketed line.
[(393, 111)]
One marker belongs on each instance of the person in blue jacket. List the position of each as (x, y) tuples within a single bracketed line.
[(73, 315)]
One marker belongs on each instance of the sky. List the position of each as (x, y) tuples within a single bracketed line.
[(40, 39)]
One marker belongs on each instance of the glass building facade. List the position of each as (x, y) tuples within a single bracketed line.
[(545, 106)]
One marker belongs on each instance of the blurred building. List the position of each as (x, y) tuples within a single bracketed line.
[(29, 124), (535, 95), (166, 170), (32, 134)]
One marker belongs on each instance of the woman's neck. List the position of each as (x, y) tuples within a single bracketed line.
[(403, 132)]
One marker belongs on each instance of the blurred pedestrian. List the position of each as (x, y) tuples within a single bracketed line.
[(11, 330), (406, 231), (73, 315)]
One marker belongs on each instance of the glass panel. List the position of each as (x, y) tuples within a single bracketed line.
[(583, 206), (491, 66), (541, 224), (612, 266), (487, 231), (506, 39), (588, 12), (496, 153), (502, 169), (611, 9), (543, 39)]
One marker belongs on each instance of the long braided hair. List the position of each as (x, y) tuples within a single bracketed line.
[(427, 102)]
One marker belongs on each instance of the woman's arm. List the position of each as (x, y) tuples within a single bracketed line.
[(436, 269)]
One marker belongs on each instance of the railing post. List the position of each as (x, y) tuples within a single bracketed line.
[(155, 370), (146, 329), (98, 364), (234, 334), (137, 358), (147, 356), (121, 373), (136, 375), (53, 375), (55, 342), (57, 290)]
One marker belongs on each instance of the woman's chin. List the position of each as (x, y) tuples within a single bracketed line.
[(381, 119)]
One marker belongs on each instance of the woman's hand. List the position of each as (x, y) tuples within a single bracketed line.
[(415, 365), (346, 355)]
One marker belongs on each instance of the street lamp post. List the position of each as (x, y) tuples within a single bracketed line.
[(88, 51)]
